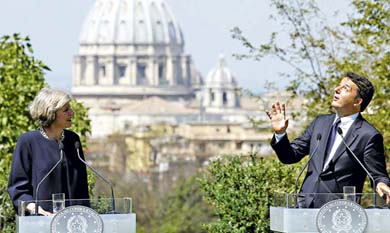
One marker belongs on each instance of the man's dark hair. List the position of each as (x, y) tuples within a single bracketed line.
[(366, 89)]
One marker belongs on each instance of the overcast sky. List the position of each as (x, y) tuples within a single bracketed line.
[(54, 28)]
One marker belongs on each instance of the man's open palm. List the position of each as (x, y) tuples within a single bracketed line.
[(278, 117)]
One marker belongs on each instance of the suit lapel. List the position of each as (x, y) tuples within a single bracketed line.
[(327, 126), (349, 138)]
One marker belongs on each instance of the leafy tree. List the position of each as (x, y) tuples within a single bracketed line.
[(241, 191), (369, 54), (184, 210), (21, 77), (310, 44), (319, 53)]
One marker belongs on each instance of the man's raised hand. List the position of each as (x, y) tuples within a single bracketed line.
[(278, 117)]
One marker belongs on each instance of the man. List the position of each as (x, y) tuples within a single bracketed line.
[(332, 165)]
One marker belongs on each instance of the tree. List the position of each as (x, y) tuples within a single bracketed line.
[(184, 210), (242, 190), (21, 77), (369, 54), (319, 54)]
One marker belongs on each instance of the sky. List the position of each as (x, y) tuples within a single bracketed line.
[(54, 29)]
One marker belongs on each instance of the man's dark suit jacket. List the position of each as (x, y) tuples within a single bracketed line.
[(363, 139)]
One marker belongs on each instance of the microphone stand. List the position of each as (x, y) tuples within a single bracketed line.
[(340, 132), (61, 147), (304, 167), (77, 145)]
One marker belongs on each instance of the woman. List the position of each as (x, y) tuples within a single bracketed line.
[(37, 152)]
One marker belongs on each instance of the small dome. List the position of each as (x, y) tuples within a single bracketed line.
[(220, 75), (130, 22)]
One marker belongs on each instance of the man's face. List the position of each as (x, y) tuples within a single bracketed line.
[(346, 99)]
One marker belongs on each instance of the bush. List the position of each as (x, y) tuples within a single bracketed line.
[(241, 190)]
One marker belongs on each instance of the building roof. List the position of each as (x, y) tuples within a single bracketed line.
[(220, 76), (156, 105), (130, 22)]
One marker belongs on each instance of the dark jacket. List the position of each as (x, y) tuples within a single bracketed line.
[(343, 170), (33, 157)]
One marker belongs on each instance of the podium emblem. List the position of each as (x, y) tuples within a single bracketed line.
[(341, 216), (76, 219)]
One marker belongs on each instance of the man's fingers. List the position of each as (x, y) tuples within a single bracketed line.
[(384, 191), (278, 107), (274, 109), (269, 115)]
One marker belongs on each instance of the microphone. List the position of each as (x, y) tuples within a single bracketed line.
[(340, 132), (77, 146), (307, 163), (61, 148)]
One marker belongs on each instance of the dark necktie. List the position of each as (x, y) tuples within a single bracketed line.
[(332, 137)]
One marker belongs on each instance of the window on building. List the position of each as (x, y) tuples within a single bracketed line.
[(141, 74), (122, 71), (212, 96), (202, 147), (102, 71), (161, 75), (224, 98), (238, 145)]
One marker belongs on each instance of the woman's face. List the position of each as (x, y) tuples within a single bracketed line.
[(64, 117)]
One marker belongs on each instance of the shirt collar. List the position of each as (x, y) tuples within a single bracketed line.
[(347, 119)]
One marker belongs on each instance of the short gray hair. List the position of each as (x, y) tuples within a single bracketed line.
[(46, 103)]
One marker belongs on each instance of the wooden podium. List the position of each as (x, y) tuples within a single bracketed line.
[(287, 216), (120, 220)]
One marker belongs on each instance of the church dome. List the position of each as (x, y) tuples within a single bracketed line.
[(130, 22), (220, 75)]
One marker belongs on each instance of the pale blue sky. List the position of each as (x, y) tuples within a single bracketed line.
[(54, 28)]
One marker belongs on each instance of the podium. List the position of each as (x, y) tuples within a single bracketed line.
[(119, 220), (287, 214)]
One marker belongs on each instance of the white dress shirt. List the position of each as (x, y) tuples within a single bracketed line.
[(345, 124)]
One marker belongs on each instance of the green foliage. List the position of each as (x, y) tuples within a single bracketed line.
[(309, 46), (21, 77), (183, 210), (241, 191), (370, 55), (319, 53)]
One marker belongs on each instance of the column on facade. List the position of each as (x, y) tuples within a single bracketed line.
[(206, 97), (91, 74), (231, 98), (184, 68), (170, 71), (218, 102), (111, 74), (154, 72), (77, 75), (133, 71)]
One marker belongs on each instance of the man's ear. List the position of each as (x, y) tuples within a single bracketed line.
[(358, 101)]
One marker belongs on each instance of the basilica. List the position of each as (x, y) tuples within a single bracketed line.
[(133, 74)]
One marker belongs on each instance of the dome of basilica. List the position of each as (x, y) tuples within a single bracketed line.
[(132, 49), (220, 75), (130, 22)]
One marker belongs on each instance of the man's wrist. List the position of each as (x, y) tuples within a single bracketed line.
[(279, 136)]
